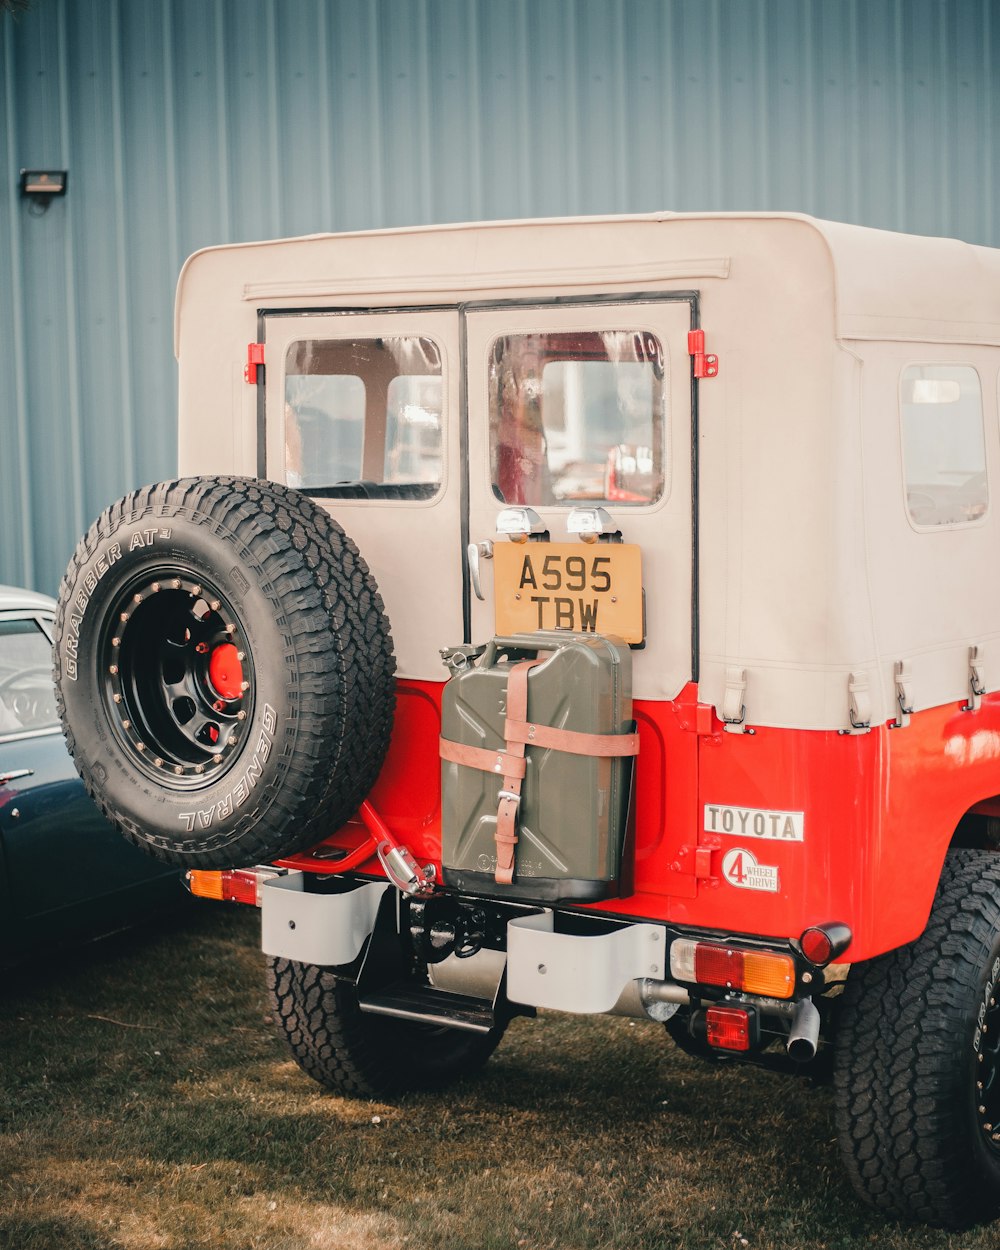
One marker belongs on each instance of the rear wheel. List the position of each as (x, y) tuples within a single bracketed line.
[(917, 1064), (363, 1055)]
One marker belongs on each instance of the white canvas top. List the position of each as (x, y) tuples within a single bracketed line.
[(813, 577), (885, 285)]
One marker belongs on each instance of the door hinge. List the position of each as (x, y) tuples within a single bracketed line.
[(702, 862), (706, 364), (255, 360)]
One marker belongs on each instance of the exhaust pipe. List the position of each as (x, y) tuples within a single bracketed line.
[(804, 1036)]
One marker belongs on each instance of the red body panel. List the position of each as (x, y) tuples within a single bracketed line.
[(879, 810)]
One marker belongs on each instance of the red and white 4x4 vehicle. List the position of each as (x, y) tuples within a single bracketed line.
[(668, 683)]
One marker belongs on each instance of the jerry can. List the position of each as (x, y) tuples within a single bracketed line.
[(537, 749)]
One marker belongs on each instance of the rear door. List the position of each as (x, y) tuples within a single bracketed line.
[(362, 414), (587, 405)]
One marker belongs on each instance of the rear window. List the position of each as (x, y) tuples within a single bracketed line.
[(363, 417), (578, 416), (944, 446)]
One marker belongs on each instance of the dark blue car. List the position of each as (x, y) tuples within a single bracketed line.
[(64, 871)]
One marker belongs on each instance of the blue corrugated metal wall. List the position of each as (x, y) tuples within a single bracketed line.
[(190, 122)]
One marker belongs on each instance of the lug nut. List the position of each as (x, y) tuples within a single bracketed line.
[(113, 669), (178, 769), (140, 746), (117, 698), (124, 617), (232, 740), (126, 724), (215, 605), (241, 656), (195, 591), (216, 759), (199, 768), (218, 706), (155, 587), (241, 715), (230, 629), (177, 583), (137, 598), (157, 763), (201, 648), (244, 685)]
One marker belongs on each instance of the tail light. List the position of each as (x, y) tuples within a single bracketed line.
[(768, 973), (231, 885)]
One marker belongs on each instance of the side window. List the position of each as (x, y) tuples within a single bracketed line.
[(363, 417), (944, 447), (578, 416), (27, 697)]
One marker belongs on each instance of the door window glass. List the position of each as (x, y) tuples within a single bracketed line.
[(578, 416), (944, 450), (363, 417), (27, 697)]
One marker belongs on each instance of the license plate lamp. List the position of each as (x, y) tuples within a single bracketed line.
[(593, 524), (520, 524)]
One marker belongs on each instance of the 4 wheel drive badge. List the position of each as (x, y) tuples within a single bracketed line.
[(740, 868)]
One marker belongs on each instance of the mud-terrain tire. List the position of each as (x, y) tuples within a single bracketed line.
[(363, 1055), (224, 671), (917, 1060)]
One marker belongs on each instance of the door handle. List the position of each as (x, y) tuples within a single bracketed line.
[(13, 776), (477, 551)]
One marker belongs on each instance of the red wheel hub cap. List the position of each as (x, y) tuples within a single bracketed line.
[(225, 671)]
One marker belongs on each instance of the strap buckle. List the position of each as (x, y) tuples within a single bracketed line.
[(510, 795)]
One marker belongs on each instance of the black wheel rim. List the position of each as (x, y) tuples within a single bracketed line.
[(988, 1075), (177, 676)]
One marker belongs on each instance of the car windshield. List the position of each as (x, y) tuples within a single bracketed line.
[(27, 697)]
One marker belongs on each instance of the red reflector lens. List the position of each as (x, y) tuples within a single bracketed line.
[(728, 1028), (816, 946), (715, 965)]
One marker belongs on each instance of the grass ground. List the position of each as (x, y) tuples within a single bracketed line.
[(146, 1104)]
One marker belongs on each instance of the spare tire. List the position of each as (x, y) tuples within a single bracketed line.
[(224, 671)]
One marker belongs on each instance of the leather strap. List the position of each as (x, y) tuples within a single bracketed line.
[(570, 740), (486, 761), (510, 791)]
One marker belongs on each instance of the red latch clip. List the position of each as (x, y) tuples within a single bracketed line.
[(255, 357), (705, 365)]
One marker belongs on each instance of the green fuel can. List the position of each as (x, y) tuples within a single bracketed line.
[(574, 806)]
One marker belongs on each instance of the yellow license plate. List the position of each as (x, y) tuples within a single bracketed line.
[(589, 587)]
